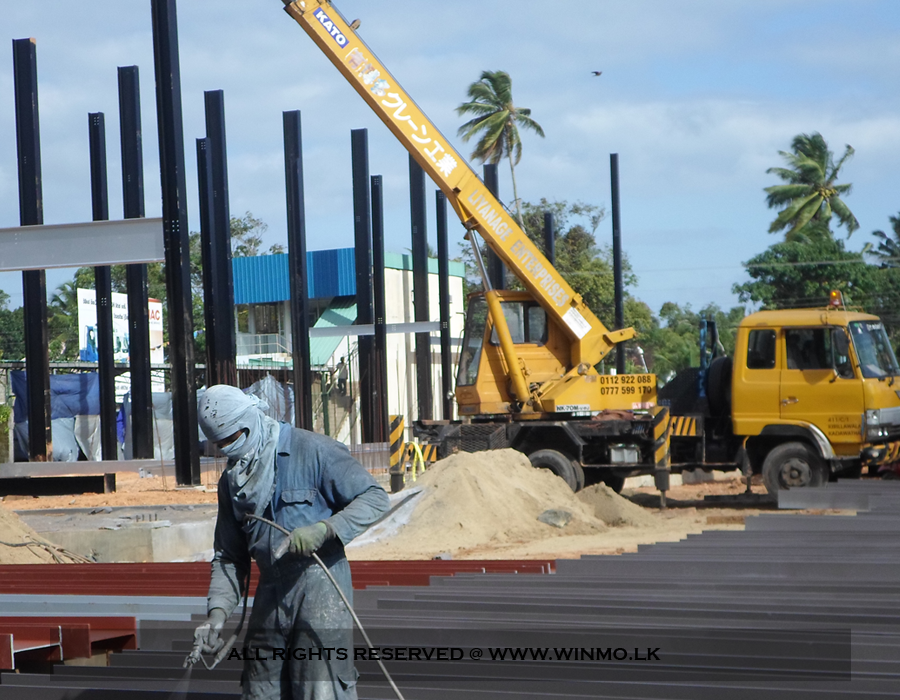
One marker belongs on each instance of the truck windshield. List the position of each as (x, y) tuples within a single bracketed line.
[(876, 357), (473, 336)]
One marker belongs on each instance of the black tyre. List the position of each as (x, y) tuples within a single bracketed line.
[(793, 465), (559, 464)]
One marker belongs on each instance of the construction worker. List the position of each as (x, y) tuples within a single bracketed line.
[(343, 373), (312, 486)]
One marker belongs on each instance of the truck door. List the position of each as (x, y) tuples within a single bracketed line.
[(755, 389), (819, 387)]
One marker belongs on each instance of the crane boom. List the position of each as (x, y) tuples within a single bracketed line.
[(476, 207)]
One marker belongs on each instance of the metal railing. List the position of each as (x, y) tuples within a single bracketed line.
[(262, 344)]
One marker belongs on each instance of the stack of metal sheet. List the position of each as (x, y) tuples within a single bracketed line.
[(797, 605)]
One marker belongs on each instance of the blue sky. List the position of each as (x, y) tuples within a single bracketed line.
[(696, 96)]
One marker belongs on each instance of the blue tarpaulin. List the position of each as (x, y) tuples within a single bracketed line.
[(70, 395)]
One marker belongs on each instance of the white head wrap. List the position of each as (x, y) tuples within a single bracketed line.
[(225, 410)]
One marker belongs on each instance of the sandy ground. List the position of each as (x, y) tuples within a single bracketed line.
[(686, 513), (131, 490)]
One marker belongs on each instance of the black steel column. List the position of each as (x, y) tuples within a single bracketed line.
[(359, 147), (617, 258), (443, 251), (34, 285), (103, 289), (299, 279), (381, 421), (495, 267), (136, 275), (549, 238), (177, 245), (418, 216), (221, 297), (208, 256)]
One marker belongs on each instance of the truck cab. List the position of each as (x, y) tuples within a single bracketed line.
[(815, 393)]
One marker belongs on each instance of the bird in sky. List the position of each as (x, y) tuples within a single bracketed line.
[(597, 72)]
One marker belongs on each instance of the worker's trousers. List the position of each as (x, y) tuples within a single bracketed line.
[(300, 636)]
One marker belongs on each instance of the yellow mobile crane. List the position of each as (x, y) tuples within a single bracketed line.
[(528, 364)]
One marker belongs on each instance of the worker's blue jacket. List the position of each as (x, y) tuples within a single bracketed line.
[(295, 606), (316, 479)]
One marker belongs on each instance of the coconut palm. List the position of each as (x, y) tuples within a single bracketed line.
[(888, 250), (496, 123), (810, 193)]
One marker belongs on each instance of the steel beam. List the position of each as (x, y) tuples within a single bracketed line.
[(220, 366), (617, 259), (443, 252), (549, 238), (369, 329), (31, 213), (365, 313), (52, 246), (495, 267), (109, 445), (419, 224), (207, 255), (177, 244), (380, 419), (299, 277), (136, 274)]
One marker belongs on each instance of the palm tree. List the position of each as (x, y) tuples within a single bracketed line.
[(62, 322), (810, 194), (888, 250), (497, 121)]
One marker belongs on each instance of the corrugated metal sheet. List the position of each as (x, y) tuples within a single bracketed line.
[(263, 279), (332, 273), (339, 313)]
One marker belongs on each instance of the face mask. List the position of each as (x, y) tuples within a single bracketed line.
[(236, 449)]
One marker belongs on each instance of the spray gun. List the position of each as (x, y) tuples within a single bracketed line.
[(221, 648)]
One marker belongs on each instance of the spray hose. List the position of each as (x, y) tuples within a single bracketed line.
[(337, 587)]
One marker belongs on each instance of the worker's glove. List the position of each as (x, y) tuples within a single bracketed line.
[(206, 636), (308, 539)]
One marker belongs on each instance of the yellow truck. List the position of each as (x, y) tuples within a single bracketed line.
[(810, 394), (527, 375)]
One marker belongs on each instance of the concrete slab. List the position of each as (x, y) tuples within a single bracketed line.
[(130, 534)]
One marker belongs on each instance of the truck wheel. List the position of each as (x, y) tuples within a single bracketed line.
[(792, 465), (558, 463)]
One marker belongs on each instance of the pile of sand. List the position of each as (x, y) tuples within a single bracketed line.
[(490, 498), (612, 509), (19, 544)]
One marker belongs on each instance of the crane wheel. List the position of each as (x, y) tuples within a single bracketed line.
[(563, 466)]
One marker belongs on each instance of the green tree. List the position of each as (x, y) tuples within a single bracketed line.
[(12, 330), (801, 273), (810, 193), (62, 323), (888, 250), (496, 123), (247, 237)]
